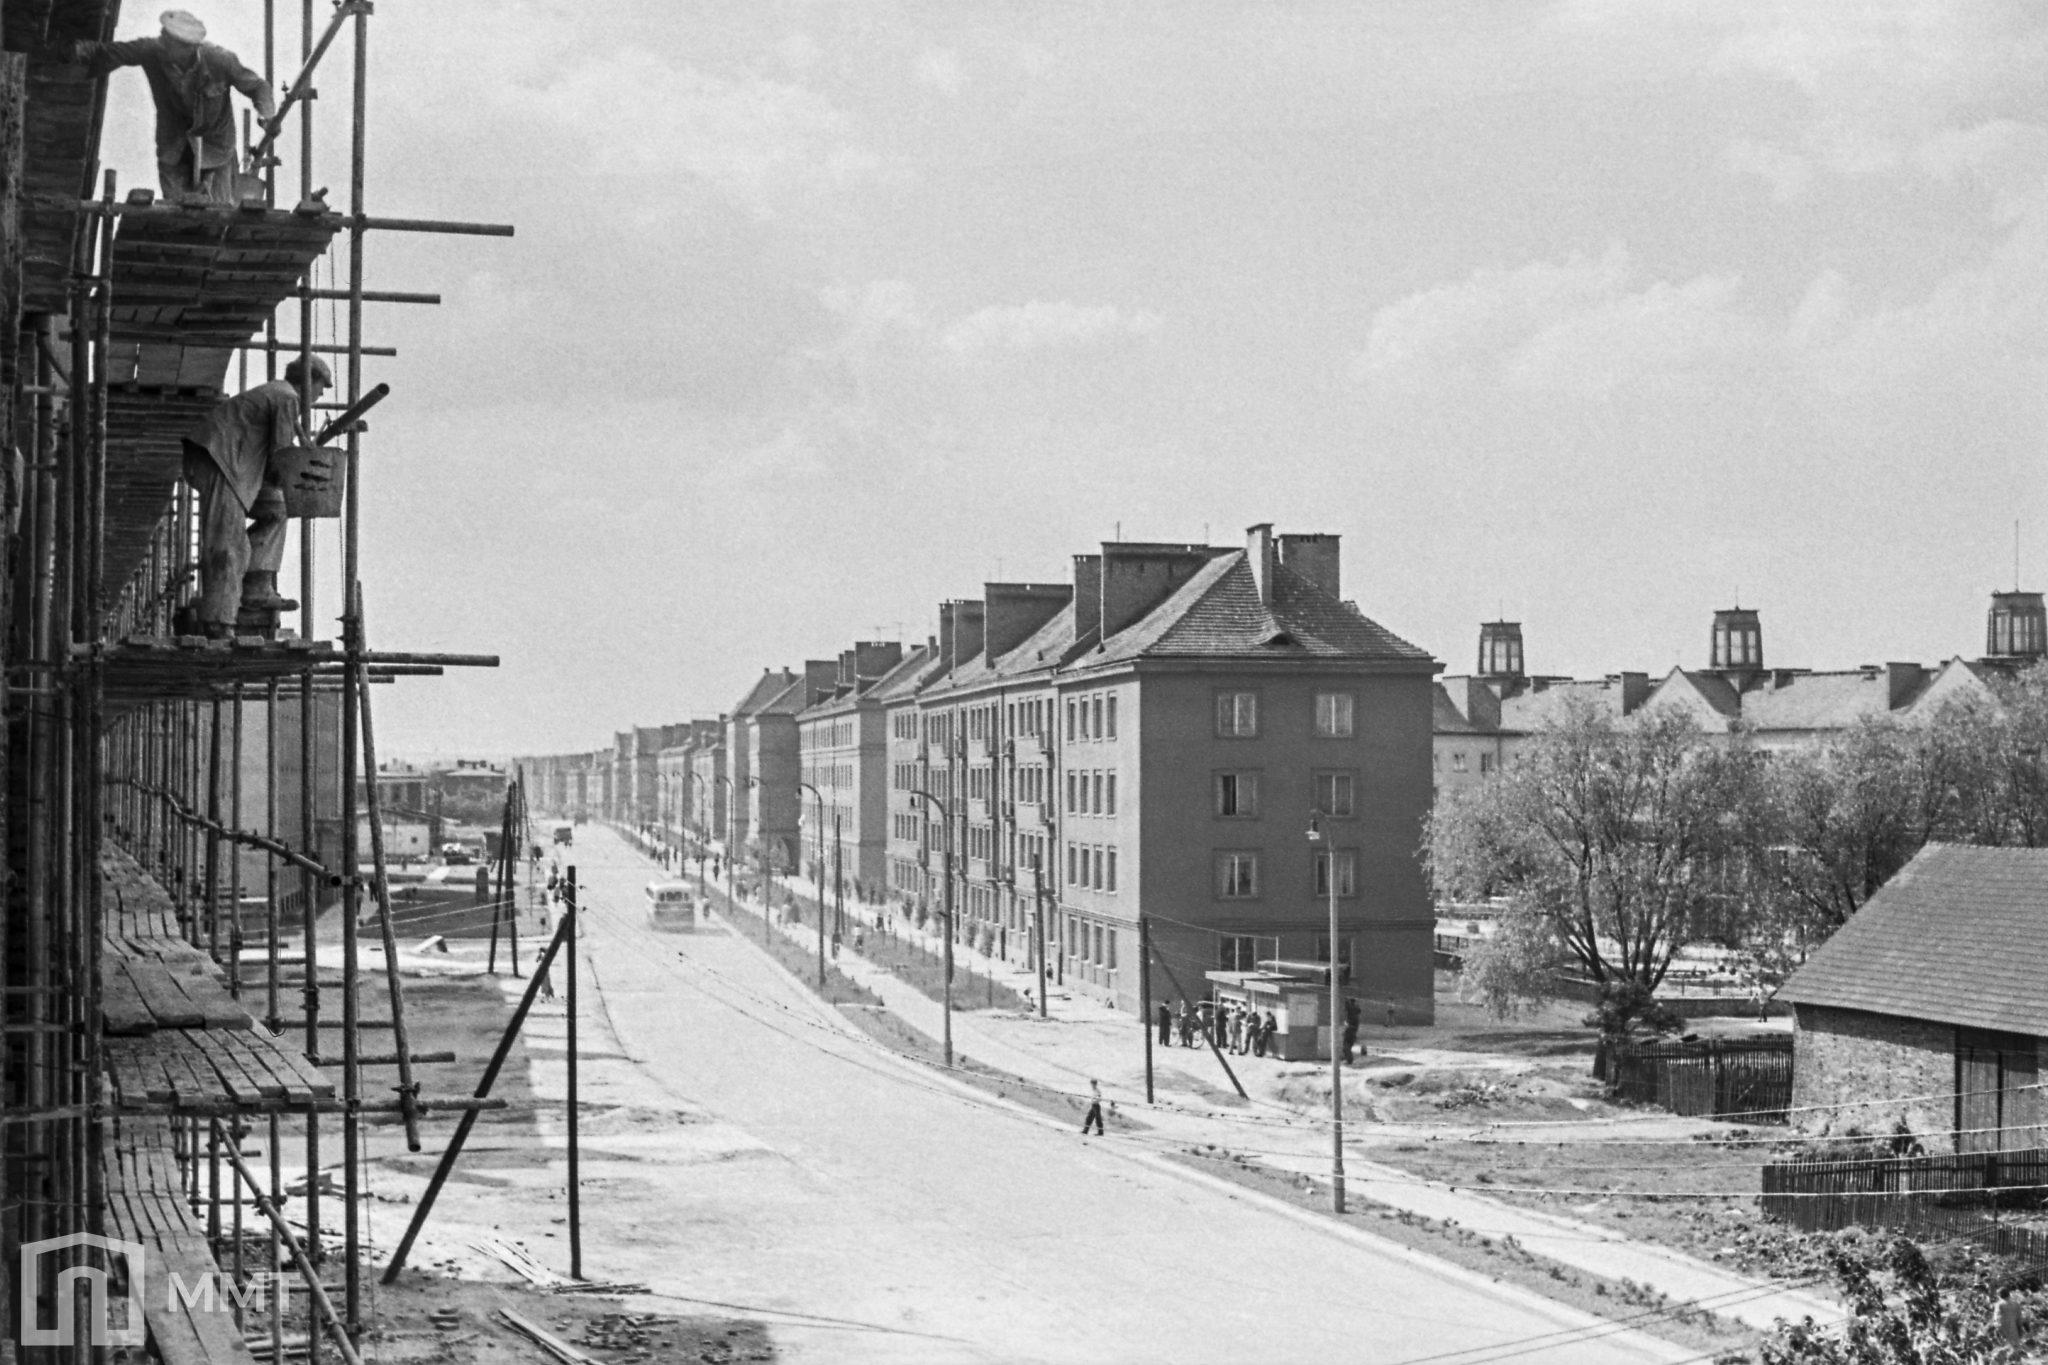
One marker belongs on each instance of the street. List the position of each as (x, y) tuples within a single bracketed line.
[(872, 1211)]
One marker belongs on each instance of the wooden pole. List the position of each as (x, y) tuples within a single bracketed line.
[(1145, 996), (569, 919), (483, 1090)]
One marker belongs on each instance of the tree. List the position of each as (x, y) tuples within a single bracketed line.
[(1618, 837), (1900, 1313), (1515, 965)]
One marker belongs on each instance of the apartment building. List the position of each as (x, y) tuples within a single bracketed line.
[(1481, 718), (843, 755), (1155, 739)]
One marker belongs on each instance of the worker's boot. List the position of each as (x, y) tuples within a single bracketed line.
[(259, 593)]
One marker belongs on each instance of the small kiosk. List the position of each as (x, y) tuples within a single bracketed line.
[(1297, 994)]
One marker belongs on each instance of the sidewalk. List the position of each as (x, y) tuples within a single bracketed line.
[(1084, 1040)]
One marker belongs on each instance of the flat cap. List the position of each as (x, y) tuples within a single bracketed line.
[(184, 26)]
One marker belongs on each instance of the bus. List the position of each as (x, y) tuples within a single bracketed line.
[(671, 907)]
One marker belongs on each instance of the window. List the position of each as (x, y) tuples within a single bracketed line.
[(1073, 877), (1109, 879), (1096, 934), (1335, 795), (1070, 720), (1347, 872), (1095, 732), (1333, 715), (1110, 936), (1486, 763), (1095, 783), (1458, 762), (1237, 875), (1237, 795), (1109, 807), (1237, 953), (1096, 861), (1237, 714), (1112, 716)]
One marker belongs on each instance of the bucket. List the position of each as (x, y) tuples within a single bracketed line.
[(311, 477)]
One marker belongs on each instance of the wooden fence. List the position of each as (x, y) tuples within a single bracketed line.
[(1742, 1081), (1961, 1196)]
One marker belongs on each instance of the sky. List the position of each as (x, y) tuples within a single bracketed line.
[(1600, 314)]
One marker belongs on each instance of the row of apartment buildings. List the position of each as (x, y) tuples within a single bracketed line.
[(1483, 717), (1155, 739)]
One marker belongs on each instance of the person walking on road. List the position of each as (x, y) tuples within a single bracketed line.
[(1267, 1028), (1187, 1025), (1165, 1024), (1094, 1114), (1353, 1016)]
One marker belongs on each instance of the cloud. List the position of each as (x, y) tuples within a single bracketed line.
[(1583, 328), (938, 68), (1788, 172), (1039, 326)]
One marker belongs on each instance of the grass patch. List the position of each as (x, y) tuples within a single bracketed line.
[(1502, 1258), (839, 989), (911, 962)]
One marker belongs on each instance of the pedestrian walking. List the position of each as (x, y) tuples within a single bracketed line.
[(1267, 1029), (835, 947), (1353, 1016), (1187, 1025), (1756, 999), (1094, 1114), (1258, 1032), (1165, 1024)]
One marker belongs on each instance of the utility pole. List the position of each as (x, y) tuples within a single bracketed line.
[(947, 915), (1038, 922), (1145, 996), (575, 1176), (1315, 836)]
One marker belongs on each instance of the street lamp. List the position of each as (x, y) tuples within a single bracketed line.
[(819, 798), (1329, 853), (947, 913)]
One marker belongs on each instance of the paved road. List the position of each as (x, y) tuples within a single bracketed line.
[(873, 1212)]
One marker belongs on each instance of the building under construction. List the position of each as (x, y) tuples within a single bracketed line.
[(183, 1012)]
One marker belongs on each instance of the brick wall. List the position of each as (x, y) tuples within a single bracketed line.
[(1858, 1060)]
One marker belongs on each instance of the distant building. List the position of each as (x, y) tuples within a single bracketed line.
[(1927, 1008), (843, 755), (1481, 718)]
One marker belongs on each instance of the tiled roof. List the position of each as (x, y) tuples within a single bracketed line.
[(1959, 936), (768, 687), (1217, 613), (1447, 720), (1820, 701), (1526, 712), (788, 701), (907, 677)]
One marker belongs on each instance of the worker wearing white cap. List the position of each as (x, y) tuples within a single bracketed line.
[(229, 461), (189, 78)]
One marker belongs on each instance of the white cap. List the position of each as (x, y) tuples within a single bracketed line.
[(184, 26)]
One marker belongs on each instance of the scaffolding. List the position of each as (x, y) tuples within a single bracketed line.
[(181, 812)]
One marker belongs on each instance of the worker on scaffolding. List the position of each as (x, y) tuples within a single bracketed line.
[(230, 463), (189, 78)]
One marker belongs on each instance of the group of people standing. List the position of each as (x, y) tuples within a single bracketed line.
[(1237, 1027), (1234, 1027)]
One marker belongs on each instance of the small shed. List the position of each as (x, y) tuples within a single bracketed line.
[(1298, 996), (1930, 1006)]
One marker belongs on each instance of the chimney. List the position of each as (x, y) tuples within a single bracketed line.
[(1017, 610), (1481, 704), (1258, 552), (969, 617), (819, 677), (1500, 649), (873, 658), (848, 672), (1635, 689), (1902, 683), (1087, 595), (1136, 577), (944, 643), (1314, 557)]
